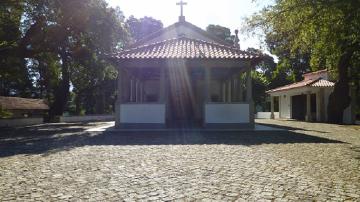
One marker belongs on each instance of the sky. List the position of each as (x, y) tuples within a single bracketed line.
[(228, 13)]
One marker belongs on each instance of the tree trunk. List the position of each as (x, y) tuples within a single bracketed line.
[(62, 91), (339, 99), (78, 103)]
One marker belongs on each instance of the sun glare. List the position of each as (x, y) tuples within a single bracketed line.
[(228, 13)]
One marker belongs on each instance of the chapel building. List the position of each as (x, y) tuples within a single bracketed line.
[(182, 76)]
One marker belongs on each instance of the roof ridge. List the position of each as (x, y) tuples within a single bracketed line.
[(182, 37), (315, 72), (200, 49), (275, 89)]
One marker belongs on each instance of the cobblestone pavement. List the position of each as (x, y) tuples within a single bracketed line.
[(345, 133), (63, 162)]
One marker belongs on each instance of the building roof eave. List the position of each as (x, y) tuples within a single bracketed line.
[(317, 83)]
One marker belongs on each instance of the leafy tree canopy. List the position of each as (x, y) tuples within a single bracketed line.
[(221, 32), (315, 34), (140, 28), (54, 39)]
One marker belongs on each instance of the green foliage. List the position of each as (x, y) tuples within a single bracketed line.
[(314, 35), (50, 40), (14, 78), (314, 32), (5, 114), (260, 84), (265, 77), (140, 28), (94, 87), (221, 32)]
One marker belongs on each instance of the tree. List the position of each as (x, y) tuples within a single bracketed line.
[(57, 38), (94, 87), (14, 77), (294, 64), (140, 28), (266, 76), (221, 32), (325, 32)]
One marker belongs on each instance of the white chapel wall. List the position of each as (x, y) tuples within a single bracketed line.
[(266, 115), (142, 113), (285, 106), (227, 113)]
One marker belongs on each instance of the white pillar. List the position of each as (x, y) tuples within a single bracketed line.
[(229, 90), (272, 116), (249, 96), (221, 91), (162, 85), (223, 86), (308, 106), (143, 95), (236, 89), (240, 90), (207, 84), (141, 91), (119, 99), (248, 86), (233, 90), (279, 105), (225, 91), (320, 105), (138, 90), (131, 90)]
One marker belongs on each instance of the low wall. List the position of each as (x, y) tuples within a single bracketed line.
[(20, 122), (266, 115), (227, 113), (69, 119), (142, 113)]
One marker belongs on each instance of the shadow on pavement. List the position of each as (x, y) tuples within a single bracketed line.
[(47, 139), (290, 128)]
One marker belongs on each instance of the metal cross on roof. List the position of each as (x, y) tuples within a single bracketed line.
[(181, 4)]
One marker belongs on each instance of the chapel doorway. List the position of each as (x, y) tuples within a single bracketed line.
[(181, 98)]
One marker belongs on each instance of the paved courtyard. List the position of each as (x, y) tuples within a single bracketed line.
[(305, 162)]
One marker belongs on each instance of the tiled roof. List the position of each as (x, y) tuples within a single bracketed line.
[(184, 48), (12, 103), (311, 82), (323, 83)]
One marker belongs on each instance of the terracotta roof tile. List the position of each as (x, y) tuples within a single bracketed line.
[(323, 83), (12, 103), (311, 82), (184, 48)]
